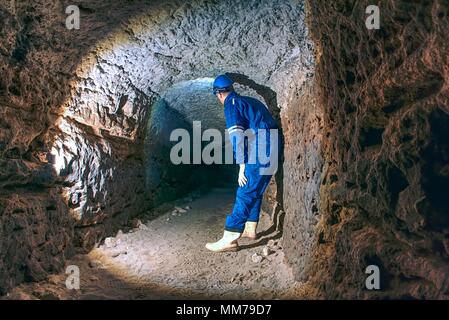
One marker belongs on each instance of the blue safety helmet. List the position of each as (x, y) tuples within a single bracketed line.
[(222, 84)]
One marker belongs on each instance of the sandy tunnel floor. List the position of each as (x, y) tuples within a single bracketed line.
[(166, 258)]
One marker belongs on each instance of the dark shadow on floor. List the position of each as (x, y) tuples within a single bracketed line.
[(274, 232)]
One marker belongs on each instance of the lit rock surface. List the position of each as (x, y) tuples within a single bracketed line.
[(81, 101), (86, 115)]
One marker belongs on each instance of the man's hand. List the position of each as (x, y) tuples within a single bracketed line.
[(242, 179)]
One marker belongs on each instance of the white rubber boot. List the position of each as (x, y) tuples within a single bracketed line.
[(227, 243), (250, 230)]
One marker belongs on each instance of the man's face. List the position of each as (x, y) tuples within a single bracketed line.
[(221, 96)]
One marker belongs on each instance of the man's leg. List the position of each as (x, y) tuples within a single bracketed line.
[(244, 201), (254, 213), (235, 222), (248, 200)]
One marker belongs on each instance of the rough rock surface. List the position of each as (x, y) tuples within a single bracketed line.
[(302, 123), (36, 237), (383, 197), (75, 104), (365, 170), (117, 82)]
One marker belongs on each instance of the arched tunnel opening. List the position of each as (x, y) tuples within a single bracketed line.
[(183, 106), (87, 138)]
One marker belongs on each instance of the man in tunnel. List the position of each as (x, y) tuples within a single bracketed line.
[(243, 115)]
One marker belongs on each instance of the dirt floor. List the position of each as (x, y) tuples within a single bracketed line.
[(165, 257)]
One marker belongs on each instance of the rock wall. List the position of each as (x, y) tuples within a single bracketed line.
[(384, 199), (302, 122), (75, 104), (37, 236), (156, 51), (365, 168)]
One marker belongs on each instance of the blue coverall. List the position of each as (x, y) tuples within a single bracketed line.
[(243, 113)]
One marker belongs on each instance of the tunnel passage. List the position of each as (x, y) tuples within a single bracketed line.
[(101, 135), (132, 74), (178, 108), (363, 115)]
